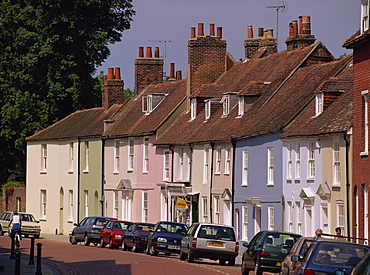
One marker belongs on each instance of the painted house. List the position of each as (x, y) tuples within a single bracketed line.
[(360, 44), (317, 160), (65, 166)]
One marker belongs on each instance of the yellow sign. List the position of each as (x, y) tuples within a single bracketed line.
[(180, 204)]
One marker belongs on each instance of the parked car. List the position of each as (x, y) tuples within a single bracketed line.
[(111, 233), (266, 251), (30, 226), (165, 237), (88, 230), (363, 266), (135, 238), (211, 241), (328, 256), (299, 248)]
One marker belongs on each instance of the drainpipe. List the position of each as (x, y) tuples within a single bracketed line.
[(233, 187), (169, 209), (211, 183), (78, 178), (347, 184), (102, 200)]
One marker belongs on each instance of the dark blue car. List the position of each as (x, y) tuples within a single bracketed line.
[(166, 237), (328, 256)]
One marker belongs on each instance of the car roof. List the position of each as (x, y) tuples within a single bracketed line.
[(214, 224), (280, 232)]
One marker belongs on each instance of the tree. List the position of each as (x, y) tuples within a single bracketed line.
[(49, 51)]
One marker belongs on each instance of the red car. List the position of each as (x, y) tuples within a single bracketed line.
[(112, 232)]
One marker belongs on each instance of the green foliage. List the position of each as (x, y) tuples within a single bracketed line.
[(10, 184), (127, 93), (341, 56), (49, 53)]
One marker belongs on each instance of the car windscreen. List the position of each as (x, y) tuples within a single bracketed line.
[(100, 221), (339, 254), (27, 218), (280, 239), (121, 225), (174, 228), (216, 232)]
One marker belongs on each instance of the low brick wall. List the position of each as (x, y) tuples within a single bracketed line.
[(13, 198)]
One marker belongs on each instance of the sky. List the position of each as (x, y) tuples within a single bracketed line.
[(332, 22)]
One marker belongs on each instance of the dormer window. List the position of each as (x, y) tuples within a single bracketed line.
[(193, 108), (150, 102), (364, 15), (241, 106), (226, 105), (208, 109), (319, 103)]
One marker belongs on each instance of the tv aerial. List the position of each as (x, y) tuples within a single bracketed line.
[(283, 5), (164, 52)]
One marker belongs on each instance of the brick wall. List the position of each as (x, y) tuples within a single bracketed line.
[(8, 201)]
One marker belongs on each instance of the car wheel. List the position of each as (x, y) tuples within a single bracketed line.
[(152, 251), (1, 231), (102, 243), (111, 245), (245, 271), (182, 255), (37, 236), (86, 241), (124, 246), (222, 261), (72, 240), (231, 262), (257, 269), (147, 252), (190, 257), (135, 248)]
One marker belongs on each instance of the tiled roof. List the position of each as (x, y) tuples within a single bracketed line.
[(132, 121), (356, 38), (84, 123), (337, 118)]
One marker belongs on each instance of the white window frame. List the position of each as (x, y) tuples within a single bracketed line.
[(245, 222), (206, 165), (245, 168), (298, 160), (319, 103), (290, 216), (299, 217), (146, 155), (311, 159), (44, 157), (336, 162), (270, 171), (340, 214), (217, 209), (71, 157), (87, 155), (364, 15), (193, 107), (145, 206), (86, 193), (365, 95), (227, 161), (43, 203), (218, 160), (131, 152), (289, 161), (207, 107), (70, 205), (241, 106), (271, 217), (205, 209), (116, 156), (166, 165), (225, 105)]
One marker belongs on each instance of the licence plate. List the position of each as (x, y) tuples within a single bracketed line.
[(278, 263), (216, 244), (173, 247)]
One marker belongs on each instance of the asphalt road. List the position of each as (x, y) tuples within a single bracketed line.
[(61, 257)]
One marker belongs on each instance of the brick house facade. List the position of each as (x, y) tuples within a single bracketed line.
[(13, 198)]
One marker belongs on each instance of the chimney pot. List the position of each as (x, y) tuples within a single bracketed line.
[(291, 31), (260, 32), (219, 32), (178, 75), (172, 70), (192, 32), (300, 24), (148, 51), (156, 52), (250, 31), (306, 25), (212, 29), (268, 33), (110, 74), (200, 29), (141, 51), (117, 73), (295, 27)]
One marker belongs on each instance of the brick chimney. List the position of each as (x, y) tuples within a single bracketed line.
[(206, 57), (269, 41), (112, 91), (148, 69), (302, 37), (252, 44)]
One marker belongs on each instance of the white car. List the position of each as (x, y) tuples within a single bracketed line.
[(211, 241), (30, 226)]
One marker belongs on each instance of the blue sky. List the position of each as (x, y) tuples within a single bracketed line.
[(332, 22)]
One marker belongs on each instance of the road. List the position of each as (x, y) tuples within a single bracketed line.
[(65, 258)]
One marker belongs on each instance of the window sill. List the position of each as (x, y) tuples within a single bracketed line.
[(115, 173), (43, 219), (43, 172), (130, 170), (85, 171), (270, 184), (145, 172), (70, 172), (244, 185), (217, 173), (227, 173), (364, 154), (70, 221)]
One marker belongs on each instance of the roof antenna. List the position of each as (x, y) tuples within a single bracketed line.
[(280, 8), (164, 52)]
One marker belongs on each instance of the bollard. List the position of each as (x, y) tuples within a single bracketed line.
[(38, 265), (17, 263), (32, 251), (12, 248)]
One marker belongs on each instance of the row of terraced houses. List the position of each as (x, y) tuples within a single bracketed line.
[(276, 141)]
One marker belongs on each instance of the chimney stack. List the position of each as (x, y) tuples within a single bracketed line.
[(148, 69), (112, 90), (212, 29), (200, 29), (300, 37), (178, 75), (172, 71), (252, 44)]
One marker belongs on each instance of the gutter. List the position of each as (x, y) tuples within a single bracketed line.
[(211, 184), (347, 185), (78, 178), (102, 197)]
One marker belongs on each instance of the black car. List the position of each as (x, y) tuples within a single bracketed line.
[(363, 266), (135, 238), (166, 237), (88, 230), (266, 251)]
